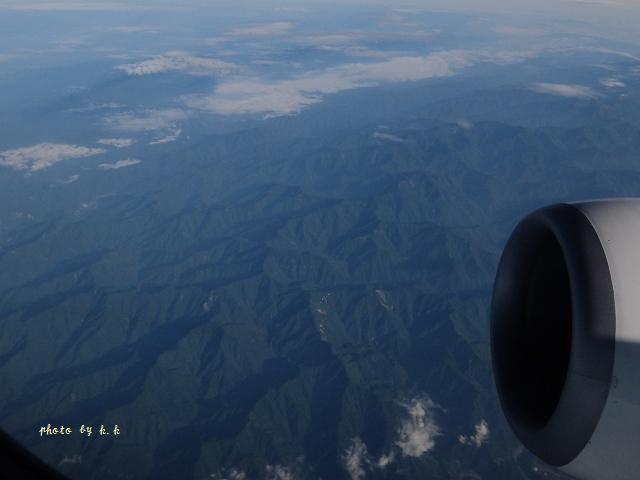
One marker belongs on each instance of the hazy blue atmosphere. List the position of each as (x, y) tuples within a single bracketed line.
[(260, 238)]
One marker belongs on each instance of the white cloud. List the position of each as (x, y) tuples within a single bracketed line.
[(388, 137), (344, 43), (608, 3), (234, 474), (386, 459), (278, 472), (418, 433), (119, 164), (169, 138), (466, 124), (355, 459), (612, 83), (416, 436), (148, 121), (608, 51), (179, 62), (506, 57), (480, 436), (329, 38), (49, 6), (133, 29), (71, 44), (44, 155), (246, 97), (23, 215), (358, 51), (116, 142), (74, 459), (262, 30), (5, 57), (92, 107), (564, 90), (289, 96), (271, 472), (275, 62), (272, 29), (519, 31), (71, 179)]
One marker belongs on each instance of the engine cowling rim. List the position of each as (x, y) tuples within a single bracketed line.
[(566, 430)]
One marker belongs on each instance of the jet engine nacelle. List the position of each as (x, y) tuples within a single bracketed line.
[(565, 337)]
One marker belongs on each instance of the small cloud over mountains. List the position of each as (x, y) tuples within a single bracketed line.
[(80, 6), (147, 121), (418, 433), (262, 30), (178, 62), (416, 436), (133, 29), (172, 137), (612, 83), (116, 142), (259, 30), (478, 438), (564, 90), (233, 474), (518, 31), (75, 459), (44, 155), (271, 472), (388, 137), (356, 459), (119, 164), (279, 472), (386, 459), (71, 179)]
